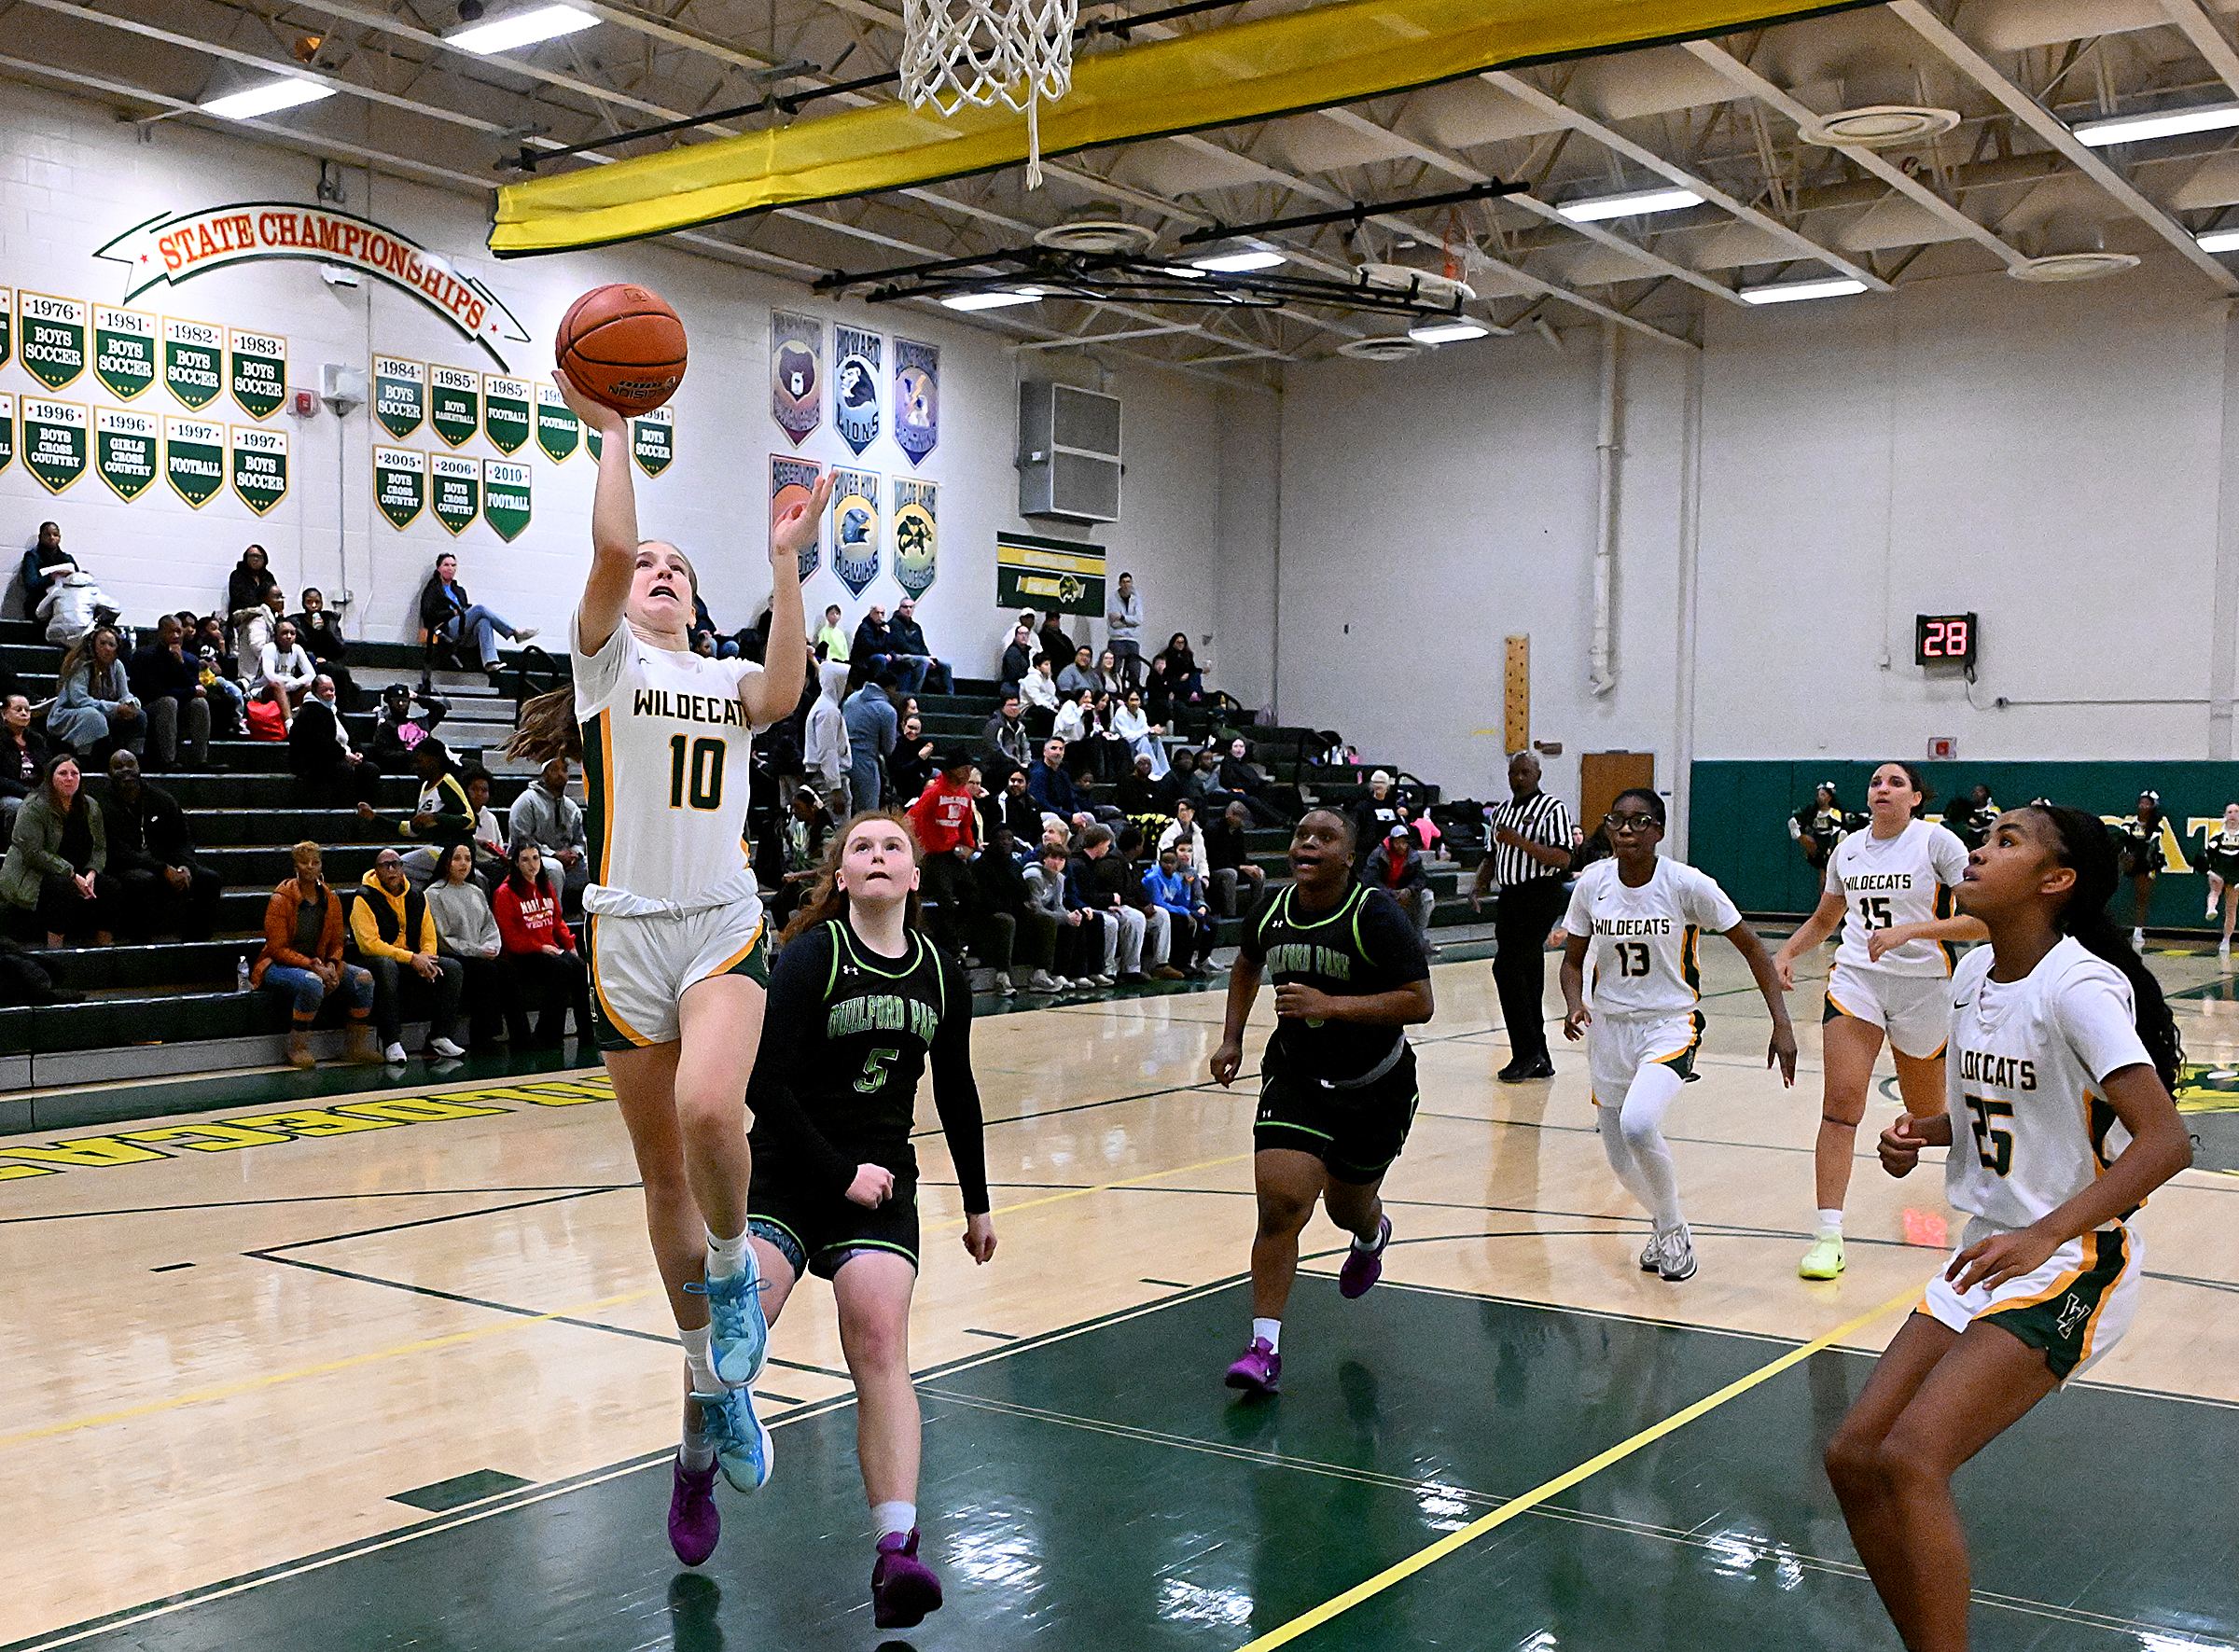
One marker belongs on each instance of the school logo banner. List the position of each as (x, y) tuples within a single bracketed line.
[(855, 528), (399, 484), (505, 413), (256, 371), (194, 458), (260, 467), (653, 440), (54, 441), (194, 363), (916, 534), (400, 395), (173, 248), (559, 431), (791, 481), (506, 497), (457, 486), (916, 397), (1067, 574), (124, 449), (7, 431), (454, 404), (54, 339), (855, 385), (796, 373), (124, 351)]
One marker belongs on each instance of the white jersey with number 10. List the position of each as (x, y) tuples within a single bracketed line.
[(666, 746)]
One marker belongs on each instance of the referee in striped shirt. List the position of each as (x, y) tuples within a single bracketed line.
[(1529, 859)]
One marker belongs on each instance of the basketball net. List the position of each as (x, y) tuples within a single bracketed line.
[(956, 52)]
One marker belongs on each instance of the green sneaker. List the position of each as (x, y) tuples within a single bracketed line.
[(1824, 1260)]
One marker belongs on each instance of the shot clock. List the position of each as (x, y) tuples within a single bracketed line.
[(1944, 639)]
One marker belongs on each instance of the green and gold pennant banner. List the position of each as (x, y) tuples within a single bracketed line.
[(194, 362), (126, 444), (54, 339), (260, 467), (559, 431), (399, 484), (653, 440), (454, 404), (7, 323), (400, 395), (505, 413), (256, 369), (194, 458), (54, 441), (506, 489), (456, 487), (124, 351), (7, 431)]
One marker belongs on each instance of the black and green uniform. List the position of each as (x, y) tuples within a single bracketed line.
[(1343, 1091), (2221, 858), (846, 1033)]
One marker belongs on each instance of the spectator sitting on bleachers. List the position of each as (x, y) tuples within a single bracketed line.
[(1185, 683), (1188, 918), (1236, 882), (791, 852), (911, 767), (1376, 814), (871, 725), (466, 929), (151, 854), (1187, 838), (320, 631), (1018, 658), (871, 651), (285, 672), (335, 773), (946, 824), (22, 760), (1241, 778), (96, 703), (1079, 675), (1004, 742), (543, 814), (1051, 640), (1396, 864), (830, 641), (1039, 695), (1101, 877), (252, 636), (906, 643), (42, 563), (57, 865), (446, 612), (486, 838), (390, 928), (303, 960), (75, 605), (1128, 846), (1016, 935), (216, 669), (547, 968), (1020, 814), (442, 816), (1052, 789), (1141, 734), (168, 686), (1110, 678), (405, 720), (1138, 794), (249, 586), (1069, 723), (1079, 933)]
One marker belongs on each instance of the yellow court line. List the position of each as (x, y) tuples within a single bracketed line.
[(1027, 1204), (1508, 1511)]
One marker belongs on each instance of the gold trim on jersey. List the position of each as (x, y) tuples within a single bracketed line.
[(590, 937), (737, 958)]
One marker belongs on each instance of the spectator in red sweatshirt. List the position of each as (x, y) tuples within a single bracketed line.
[(944, 818), (548, 969)]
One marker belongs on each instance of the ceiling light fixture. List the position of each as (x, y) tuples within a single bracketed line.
[(1448, 332), (2169, 123), (1000, 300), (1789, 292), (273, 95), (523, 28), (1252, 255), (2219, 241), (1630, 204)]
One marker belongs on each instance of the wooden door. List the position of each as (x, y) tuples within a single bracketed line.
[(1604, 774)]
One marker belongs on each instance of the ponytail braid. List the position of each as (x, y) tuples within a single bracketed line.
[(2086, 847), (547, 728)]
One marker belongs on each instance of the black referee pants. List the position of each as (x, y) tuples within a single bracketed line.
[(1519, 924)]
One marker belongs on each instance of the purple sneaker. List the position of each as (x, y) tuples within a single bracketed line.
[(694, 1524), (902, 1587), (1363, 1269), (1261, 1369)]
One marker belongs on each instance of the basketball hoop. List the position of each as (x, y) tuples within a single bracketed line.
[(956, 52)]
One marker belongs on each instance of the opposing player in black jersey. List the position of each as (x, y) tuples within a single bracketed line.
[(860, 1004), (1337, 1085)]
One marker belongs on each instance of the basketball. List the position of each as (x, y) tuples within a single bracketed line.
[(622, 345)]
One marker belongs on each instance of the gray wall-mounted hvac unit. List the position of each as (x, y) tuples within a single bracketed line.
[(1068, 453)]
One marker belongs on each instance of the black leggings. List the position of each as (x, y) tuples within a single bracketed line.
[(63, 911)]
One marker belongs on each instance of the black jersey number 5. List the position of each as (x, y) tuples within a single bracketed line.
[(1632, 958), (1993, 1147), (695, 776), (874, 1070)]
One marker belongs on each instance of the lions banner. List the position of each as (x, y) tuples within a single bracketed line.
[(124, 351), (559, 431), (399, 484), (1061, 574), (796, 373), (506, 498), (170, 248), (194, 363), (260, 467), (194, 458), (854, 528), (916, 397), (125, 446), (856, 384), (916, 533), (791, 481)]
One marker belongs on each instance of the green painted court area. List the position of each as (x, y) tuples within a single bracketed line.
[(1098, 1488)]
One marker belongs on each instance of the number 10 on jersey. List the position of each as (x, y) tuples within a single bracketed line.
[(695, 773)]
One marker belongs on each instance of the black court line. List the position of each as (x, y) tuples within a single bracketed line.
[(222, 1204), (488, 1209), (421, 1290)]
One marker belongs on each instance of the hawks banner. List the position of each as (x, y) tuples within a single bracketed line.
[(173, 248), (399, 484), (505, 413), (454, 405), (791, 481), (194, 458), (506, 498), (54, 339), (7, 431), (124, 351), (457, 487), (256, 370), (194, 363), (260, 467), (653, 439), (916, 534), (855, 385), (855, 528), (400, 395), (1061, 574), (54, 441), (124, 449), (559, 431), (916, 397), (796, 373)]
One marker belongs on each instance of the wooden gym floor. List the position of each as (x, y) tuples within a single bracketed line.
[(387, 1370)]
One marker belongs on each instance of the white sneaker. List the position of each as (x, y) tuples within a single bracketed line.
[(1651, 1254), (446, 1048), (2137, 940), (1041, 980), (1677, 1261), (525, 633), (1101, 980), (2223, 953), (1004, 986), (394, 1055)]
